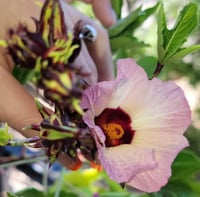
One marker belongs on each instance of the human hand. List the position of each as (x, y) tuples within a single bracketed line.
[(96, 56), (102, 10), (17, 106)]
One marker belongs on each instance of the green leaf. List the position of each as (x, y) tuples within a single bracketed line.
[(185, 166), (178, 189), (172, 40), (122, 24), (140, 195), (12, 195), (183, 52), (161, 28), (142, 16), (63, 194), (182, 183), (82, 178), (117, 6), (23, 75), (115, 194), (125, 42), (127, 25), (4, 135), (113, 186), (82, 182), (164, 192), (30, 192), (195, 186), (149, 64)]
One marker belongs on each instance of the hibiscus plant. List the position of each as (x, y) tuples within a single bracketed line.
[(125, 135)]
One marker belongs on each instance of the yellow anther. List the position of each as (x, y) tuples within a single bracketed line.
[(113, 130)]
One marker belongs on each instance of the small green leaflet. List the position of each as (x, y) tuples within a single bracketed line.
[(4, 135), (12, 195), (185, 51), (122, 24), (127, 25), (170, 41)]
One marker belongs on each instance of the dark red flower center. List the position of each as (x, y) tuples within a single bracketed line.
[(116, 125)]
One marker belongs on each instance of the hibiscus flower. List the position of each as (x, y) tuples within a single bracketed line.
[(138, 126)]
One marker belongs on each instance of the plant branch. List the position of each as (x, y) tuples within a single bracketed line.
[(20, 161)]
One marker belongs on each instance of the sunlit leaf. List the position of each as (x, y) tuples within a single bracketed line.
[(122, 24), (82, 178), (127, 25), (142, 16), (169, 41), (5, 136), (183, 52), (161, 28), (186, 22)]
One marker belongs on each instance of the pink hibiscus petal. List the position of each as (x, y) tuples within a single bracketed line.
[(97, 97), (160, 114), (160, 141), (121, 161), (166, 147), (152, 180), (164, 101), (150, 100)]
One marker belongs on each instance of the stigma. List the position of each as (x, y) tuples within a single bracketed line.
[(113, 130), (116, 126)]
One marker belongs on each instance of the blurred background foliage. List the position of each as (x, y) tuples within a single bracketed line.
[(135, 35)]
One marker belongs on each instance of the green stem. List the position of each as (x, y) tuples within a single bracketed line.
[(60, 182), (45, 178), (22, 161), (158, 70), (24, 141)]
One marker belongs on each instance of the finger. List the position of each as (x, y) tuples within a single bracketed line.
[(98, 50), (18, 108), (16, 12), (104, 12), (87, 65), (101, 53)]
